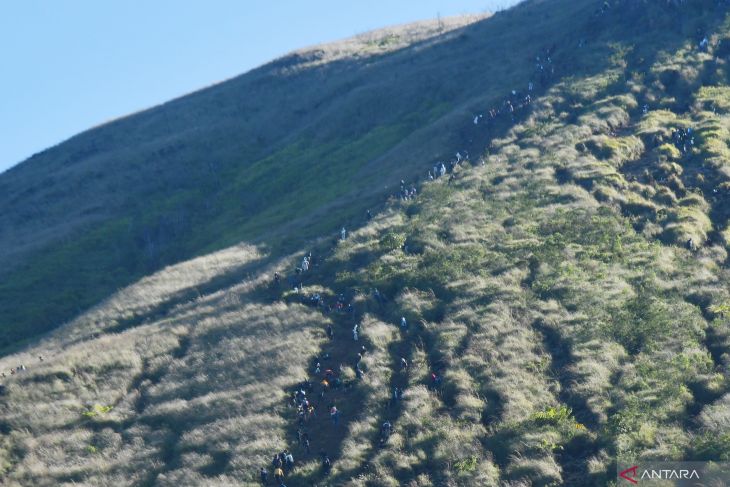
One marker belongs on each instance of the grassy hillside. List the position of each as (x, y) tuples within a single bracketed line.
[(272, 155), (549, 283)]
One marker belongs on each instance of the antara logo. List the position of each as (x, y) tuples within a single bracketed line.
[(631, 474)]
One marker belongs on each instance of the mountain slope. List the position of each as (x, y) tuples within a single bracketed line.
[(269, 148), (549, 284)]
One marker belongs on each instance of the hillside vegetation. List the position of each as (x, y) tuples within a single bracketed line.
[(565, 291), (276, 155)]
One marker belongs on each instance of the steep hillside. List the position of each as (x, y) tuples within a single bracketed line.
[(564, 291), (276, 155)]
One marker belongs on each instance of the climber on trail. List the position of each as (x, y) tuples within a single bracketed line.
[(403, 363), (335, 415), (264, 475), (354, 332), (279, 475), (403, 323), (343, 234), (386, 429), (326, 463), (435, 380), (378, 297), (397, 394)]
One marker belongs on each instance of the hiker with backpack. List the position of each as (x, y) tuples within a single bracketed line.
[(326, 463), (279, 475), (355, 332), (335, 415), (289, 461)]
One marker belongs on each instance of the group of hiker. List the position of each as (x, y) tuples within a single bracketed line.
[(282, 464), (15, 370), (683, 139), (329, 379), (407, 193), (18, 370)]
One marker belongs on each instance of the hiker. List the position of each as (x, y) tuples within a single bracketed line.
[(289, 461), (403, 323), (264, 475), (298, 398), (343, 233), (378, 297), (330, 332), (279, 475), (354, 332), (335, 415), (704, 43), (326, 463), (442, 169), (386, 428), (403, 363), (430, 176), (305, 264), (305, 441), (369, 215), (690, 245), (396, 395)]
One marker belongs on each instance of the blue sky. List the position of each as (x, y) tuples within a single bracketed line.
[(71, 65)]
